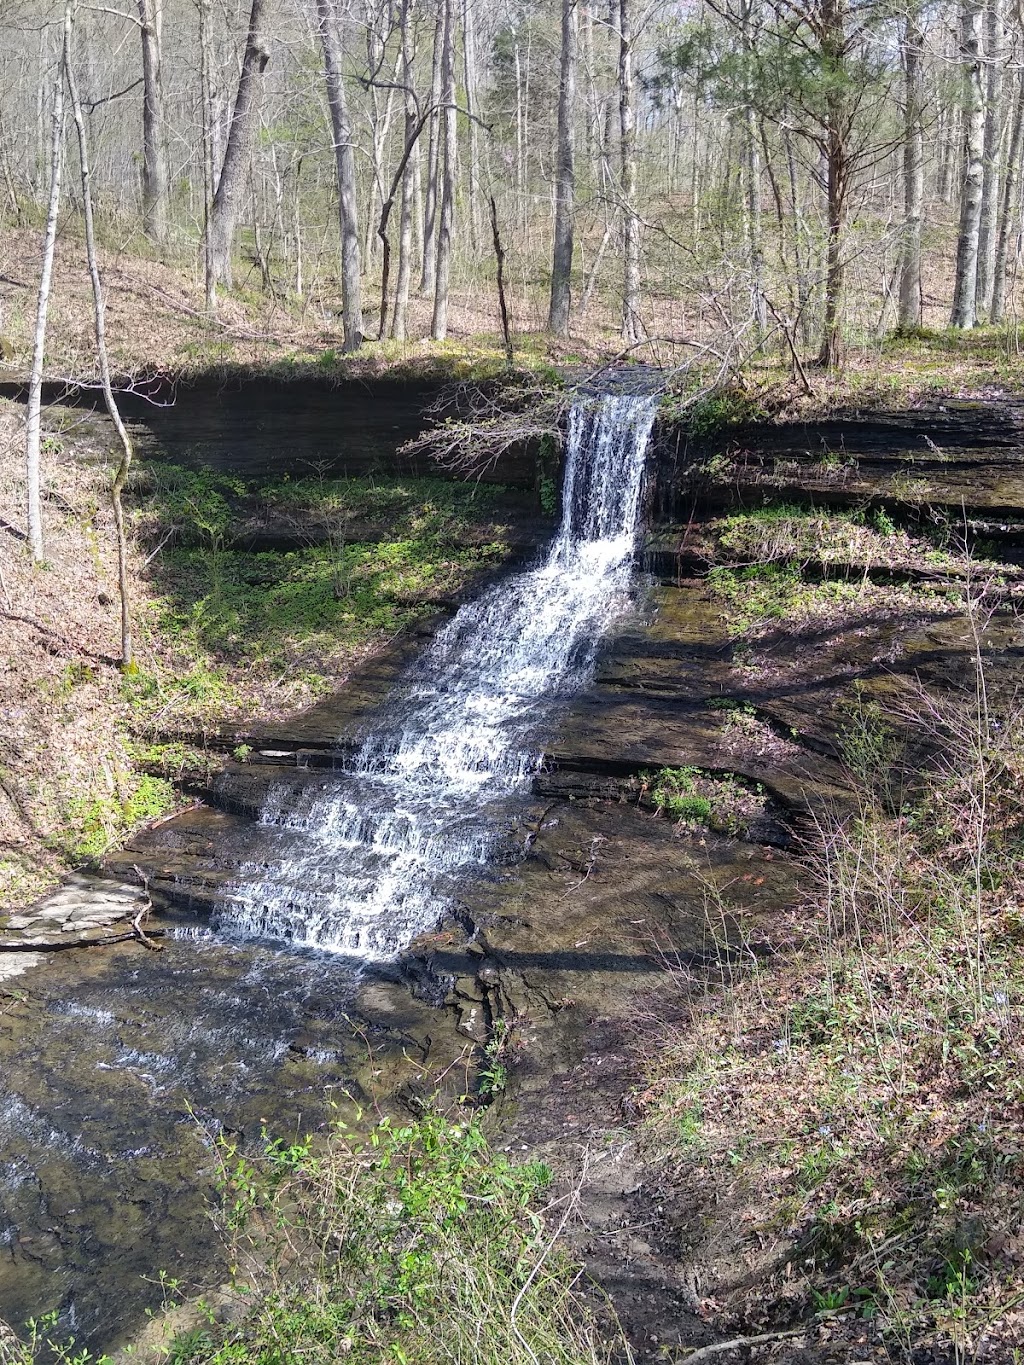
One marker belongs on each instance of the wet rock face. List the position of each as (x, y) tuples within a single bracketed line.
[(269, 427), (965, 458)]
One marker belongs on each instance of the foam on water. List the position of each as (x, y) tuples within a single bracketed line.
[(373, 858)]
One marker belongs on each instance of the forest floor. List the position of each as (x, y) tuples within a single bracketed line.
[(157, 324)]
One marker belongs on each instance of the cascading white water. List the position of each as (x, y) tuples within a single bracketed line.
[(372, 860)]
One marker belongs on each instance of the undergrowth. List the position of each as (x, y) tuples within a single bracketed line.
[(417, 1245), (696, 799), (886, 1186)]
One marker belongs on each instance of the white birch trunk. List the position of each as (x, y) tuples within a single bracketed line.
[(33, 407), (965, 290)]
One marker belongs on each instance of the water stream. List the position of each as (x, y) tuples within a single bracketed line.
[(372, 861)]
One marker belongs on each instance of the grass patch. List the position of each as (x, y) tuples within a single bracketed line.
[(756, 594), (418, 1245), (412, 507), (95, 821), (281, 610), (784, 532)]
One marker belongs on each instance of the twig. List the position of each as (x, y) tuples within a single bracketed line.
[(137, 928), (739, 1344)]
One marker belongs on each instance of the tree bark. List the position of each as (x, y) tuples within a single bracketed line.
[(449, 151), (631, 325), (99, 326), (1007, 214), (155, 187), (913, 177), (428, 275), (565, 179), (499, 256), (232, 182), (33, 406), (470, 75), (965, 290), (345, 162), (837, 169), (399, 317), (752, 187), (206, 97), (988, 224), (831, 355)]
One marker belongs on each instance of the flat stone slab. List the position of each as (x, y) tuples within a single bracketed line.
[(16, 964), (81, 911)]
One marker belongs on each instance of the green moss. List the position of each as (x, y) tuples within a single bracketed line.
[(96, 821), (280, 609)]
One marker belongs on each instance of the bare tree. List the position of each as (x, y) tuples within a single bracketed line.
[(155, 188), (428, 275), (965, 289), (565, 178), (913, 175), (402, 284), (99, 327), (1011, 184), (345, 161), (988, 224), (33, 420), (631, 325), (449, 151), (244, 119)]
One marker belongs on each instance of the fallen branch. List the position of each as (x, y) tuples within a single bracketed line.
[(738, 1344), (143, 912), (59, 946), (141, 934)]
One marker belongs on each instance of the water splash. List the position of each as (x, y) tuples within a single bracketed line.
[(373, 859)]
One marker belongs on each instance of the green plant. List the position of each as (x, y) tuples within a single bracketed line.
[(493, 1074), (691, 796), (96, 821), (417, 1244)]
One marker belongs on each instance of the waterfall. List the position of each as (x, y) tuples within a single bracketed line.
[(372, 861)]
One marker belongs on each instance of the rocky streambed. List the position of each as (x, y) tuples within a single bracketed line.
[(121, 1065)]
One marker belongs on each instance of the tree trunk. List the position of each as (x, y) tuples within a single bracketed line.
[(470, 74), (399, 318), (831, 355), (631, 325), (988, 225), (231, 185), (35, 384), (1008, 210), (155, 189), (965, 290), (752, 188), (206, 95), (913, 178), (428, 275), (449, 151), (99, 325), (565, 179), (345, 161)]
